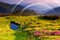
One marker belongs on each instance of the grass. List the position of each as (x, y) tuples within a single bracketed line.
[(8, 34)]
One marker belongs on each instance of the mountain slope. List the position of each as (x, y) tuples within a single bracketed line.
[(55, 11), (6, 8)]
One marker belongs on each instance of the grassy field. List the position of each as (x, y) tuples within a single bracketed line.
[(28, 25)]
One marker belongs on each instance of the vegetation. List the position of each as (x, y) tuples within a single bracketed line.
[(31, 28)]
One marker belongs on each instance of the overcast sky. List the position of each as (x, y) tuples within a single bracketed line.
[(31, 1)]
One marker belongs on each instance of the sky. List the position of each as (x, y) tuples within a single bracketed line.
[(31, 1)]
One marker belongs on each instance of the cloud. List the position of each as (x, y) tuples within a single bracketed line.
[(39, 1), (31, 1)]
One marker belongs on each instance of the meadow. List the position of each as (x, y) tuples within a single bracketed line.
[(31, 28)]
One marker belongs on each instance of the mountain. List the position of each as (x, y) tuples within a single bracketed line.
[(6, 8), (42, 9), (28, 13), (55, 11)]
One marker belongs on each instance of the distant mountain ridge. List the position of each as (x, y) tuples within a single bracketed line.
[(4, 7), (56, 11), (8, 7)]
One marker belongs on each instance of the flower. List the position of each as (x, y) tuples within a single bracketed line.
[(37, 33), (56, 32), (28, 28), (37, 28), (45, 31)]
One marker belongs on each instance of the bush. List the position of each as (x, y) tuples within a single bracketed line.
[(54, 17), (51, 17)]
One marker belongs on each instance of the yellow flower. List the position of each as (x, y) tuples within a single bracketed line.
[(37, 28), (28, 28)]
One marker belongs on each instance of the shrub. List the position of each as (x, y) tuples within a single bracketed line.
[(49, 17)]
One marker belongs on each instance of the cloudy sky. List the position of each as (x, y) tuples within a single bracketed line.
[(49, 2), (31, 1)]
